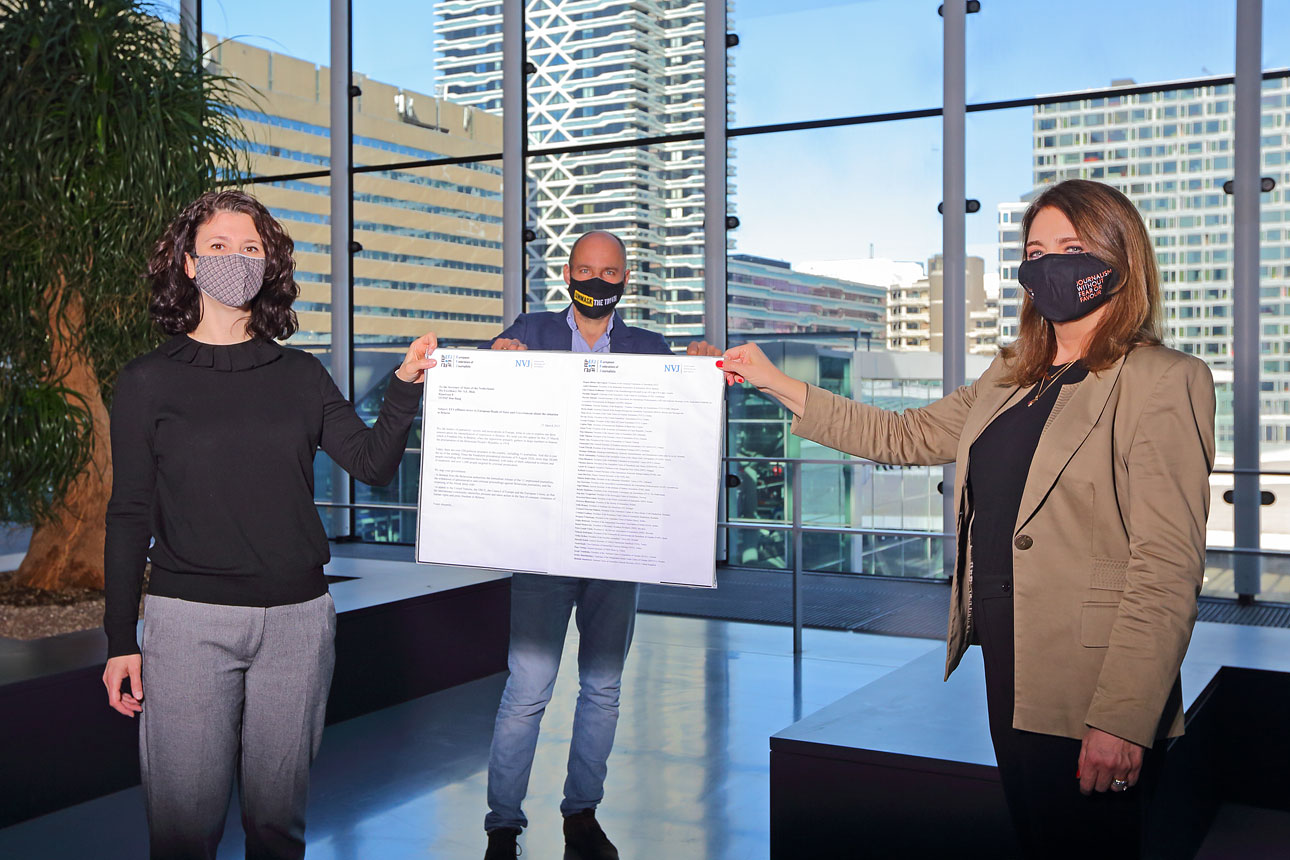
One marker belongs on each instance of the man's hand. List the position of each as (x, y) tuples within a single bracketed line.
[(1103, 757), (702, 347), (114, 674), (508, 343), (418, 360)]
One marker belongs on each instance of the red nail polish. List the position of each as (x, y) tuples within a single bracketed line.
[(720, 363)]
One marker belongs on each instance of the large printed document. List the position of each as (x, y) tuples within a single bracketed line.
[(594, 465)]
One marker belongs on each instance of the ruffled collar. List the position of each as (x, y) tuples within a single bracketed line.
[(249, 354)]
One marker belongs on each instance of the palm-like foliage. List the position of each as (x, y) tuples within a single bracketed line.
[(107, 128)]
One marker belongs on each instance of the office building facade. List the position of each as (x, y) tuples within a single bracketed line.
[(773, 298), (430, 238), (915, 311), (431, 250)]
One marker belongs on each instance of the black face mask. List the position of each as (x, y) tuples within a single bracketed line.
[(1065, 287), (595, 297)]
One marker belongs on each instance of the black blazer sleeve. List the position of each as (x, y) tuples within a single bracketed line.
[(517, 330)]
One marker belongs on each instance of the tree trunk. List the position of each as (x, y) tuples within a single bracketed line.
[(67, 551)]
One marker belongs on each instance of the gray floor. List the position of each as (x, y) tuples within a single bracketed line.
[(688, 779)]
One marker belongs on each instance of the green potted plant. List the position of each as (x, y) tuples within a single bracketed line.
[(108, 126)]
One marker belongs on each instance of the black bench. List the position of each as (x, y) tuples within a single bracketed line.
[(402, 632)]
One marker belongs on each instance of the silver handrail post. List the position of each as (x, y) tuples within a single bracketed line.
[(797, 557)]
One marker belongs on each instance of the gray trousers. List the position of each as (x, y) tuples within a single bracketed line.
[(232, 690)]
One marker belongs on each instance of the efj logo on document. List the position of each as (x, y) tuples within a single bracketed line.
[(590, 365)]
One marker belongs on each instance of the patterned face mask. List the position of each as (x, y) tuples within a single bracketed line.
[(230, 279)]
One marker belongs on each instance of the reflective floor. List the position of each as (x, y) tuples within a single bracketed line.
[(688, 780)]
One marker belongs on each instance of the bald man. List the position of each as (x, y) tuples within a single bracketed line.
[(597, 276)]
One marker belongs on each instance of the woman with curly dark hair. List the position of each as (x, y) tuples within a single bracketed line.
[(213, 440)]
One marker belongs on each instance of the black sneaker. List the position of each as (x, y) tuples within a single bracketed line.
[(584, 840), (502, 845)]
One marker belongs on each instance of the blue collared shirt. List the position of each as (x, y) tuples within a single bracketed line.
[(580, 343)]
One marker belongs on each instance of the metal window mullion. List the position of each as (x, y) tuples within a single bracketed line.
[(1245, 294), (953, 231), (190, 27), (716, 96), (342, 263), (514, 123), (715, 107)]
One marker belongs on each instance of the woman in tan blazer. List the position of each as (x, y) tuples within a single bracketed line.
[(1082, 490)]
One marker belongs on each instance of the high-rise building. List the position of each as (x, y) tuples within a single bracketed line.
[(1171, 153), (915, 311), (431, 253), (909, 316), (604, 70), (983, 327), (1009, 230), (772, 297), (915, 302)]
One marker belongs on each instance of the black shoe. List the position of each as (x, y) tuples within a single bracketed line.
[(501, 844), (584, 840)]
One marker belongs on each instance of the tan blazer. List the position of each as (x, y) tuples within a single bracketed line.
[(1109, 545)]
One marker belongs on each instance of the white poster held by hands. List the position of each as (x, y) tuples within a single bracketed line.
[(605, 466)]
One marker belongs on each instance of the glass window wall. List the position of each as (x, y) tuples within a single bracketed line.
[(822, 256), (820, 211)]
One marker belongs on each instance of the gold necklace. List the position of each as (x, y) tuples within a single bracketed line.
[(1047, 382)]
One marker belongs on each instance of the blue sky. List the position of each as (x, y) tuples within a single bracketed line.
[(830, 194)]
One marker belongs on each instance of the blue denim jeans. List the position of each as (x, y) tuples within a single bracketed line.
[(540, 606)]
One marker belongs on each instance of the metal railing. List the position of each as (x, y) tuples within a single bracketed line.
[(797, 530), (793, 523), (794, 527)]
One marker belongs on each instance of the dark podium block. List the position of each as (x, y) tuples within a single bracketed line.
[(904, 767)]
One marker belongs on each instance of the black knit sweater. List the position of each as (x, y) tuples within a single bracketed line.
[(212, 457)]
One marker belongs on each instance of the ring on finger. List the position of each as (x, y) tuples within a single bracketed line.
[(1119, 784)]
